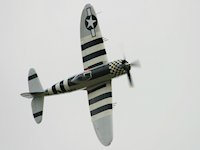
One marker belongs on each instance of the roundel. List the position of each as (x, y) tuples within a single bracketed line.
[(90, 22)]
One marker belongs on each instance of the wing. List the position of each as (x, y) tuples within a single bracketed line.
[(100, 104), (93, 51)]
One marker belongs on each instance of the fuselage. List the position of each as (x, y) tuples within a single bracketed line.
[(88, 78)]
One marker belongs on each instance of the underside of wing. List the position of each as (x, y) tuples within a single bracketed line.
[(93, 50), (100, 104)]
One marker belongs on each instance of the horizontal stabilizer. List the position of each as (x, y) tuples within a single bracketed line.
[(27, 95), (36, 92), (34, 82), (37, 108), (32, 95)]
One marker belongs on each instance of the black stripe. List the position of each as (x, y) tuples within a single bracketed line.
[(94, 55), (96, 88), (91, 43), (100, 97), (101, 109), (32, 77), (62, 86), (54, 89), (94, 65), (38, 114)]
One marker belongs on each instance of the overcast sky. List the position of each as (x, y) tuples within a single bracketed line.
[(162, 111)]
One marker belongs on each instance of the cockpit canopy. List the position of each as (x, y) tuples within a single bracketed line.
[(87, 75)]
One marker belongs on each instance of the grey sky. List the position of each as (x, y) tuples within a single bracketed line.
[(160, 113)]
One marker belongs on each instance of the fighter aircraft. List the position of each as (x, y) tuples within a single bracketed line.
[(96, 79)]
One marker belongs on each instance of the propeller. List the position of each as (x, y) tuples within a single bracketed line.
[(135, 64), (126, 66)]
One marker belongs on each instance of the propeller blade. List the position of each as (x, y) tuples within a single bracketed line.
[(124, 57), (130, 79), (135, 64)]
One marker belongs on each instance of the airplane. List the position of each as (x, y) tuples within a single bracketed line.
[(96, 79)]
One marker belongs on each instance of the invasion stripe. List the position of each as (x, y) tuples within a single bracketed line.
[(101, 109), (38, 114), (87, 38), (91, 43), (102, 58), (94, 65), (100, 97), (94, 55), (32, 77), (62, 86), (92, 49), (96, 88), (54, 89)]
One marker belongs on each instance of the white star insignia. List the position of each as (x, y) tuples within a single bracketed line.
[(90, 22)]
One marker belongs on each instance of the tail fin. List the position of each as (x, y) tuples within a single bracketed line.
[(37, 93)]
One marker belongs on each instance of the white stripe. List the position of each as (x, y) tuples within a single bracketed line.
[(99, 92), (66, 86), (93, 49), (102, 114), (93, 32), (101, 103), (89, 13), (58, 87), (88, 38), (94, 61), (50, 91)]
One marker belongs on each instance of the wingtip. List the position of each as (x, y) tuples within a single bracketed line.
[(106, 143), (32, 70), (104, 131), (38, 120), (88, 5)]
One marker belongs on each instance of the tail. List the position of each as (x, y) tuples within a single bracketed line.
[(36, 92)]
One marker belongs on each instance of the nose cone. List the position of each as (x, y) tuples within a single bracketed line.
[(128, 67), (125, 65)]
